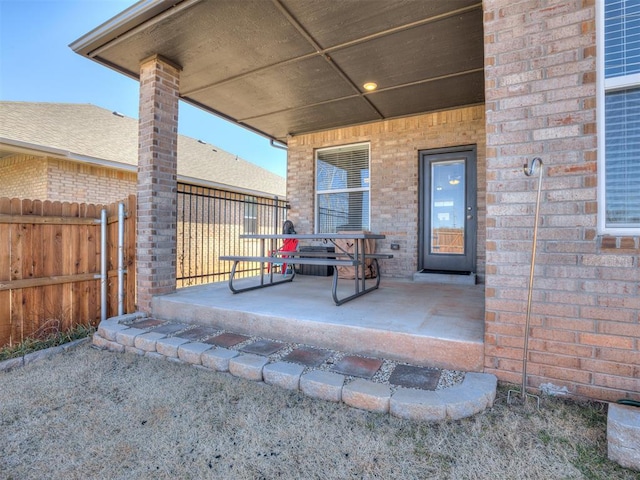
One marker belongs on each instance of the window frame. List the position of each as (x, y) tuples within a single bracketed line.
[(603, 86), (317, 192), (250, 218)]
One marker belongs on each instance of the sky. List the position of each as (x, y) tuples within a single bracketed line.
[(37, 65)]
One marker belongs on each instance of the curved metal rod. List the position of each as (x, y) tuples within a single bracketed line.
[(531, 168), (528, 171)]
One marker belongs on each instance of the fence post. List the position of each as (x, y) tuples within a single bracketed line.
[(120, 259), (103, 265)]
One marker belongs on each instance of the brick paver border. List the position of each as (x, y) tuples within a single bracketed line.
[(475, 394)]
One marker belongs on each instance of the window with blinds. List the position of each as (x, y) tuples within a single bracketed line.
[(342, 188), (621, 113)]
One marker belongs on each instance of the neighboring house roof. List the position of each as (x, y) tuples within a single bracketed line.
[(91, 134)]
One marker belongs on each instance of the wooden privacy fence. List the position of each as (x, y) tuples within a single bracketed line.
[(50, 259), (448, 240)]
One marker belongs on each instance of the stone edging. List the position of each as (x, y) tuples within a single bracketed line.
[(18, 362), (623, 433), (476, 392)]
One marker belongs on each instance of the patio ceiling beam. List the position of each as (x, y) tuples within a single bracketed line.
[(229, 118), (402, 28), (380, 90), (250, 73), (307, 36)]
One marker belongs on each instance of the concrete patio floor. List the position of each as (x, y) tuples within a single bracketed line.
[(422, 324)]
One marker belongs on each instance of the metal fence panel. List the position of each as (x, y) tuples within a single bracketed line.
[(210, 222)]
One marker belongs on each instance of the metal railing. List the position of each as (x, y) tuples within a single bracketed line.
[(330, 220), (209, 224)]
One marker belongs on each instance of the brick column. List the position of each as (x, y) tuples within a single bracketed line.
[(157, 180), (540, 102)]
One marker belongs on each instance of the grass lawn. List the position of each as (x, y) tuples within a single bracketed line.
[(95, 414)]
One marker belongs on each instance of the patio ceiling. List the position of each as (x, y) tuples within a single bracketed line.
[(286, 67)]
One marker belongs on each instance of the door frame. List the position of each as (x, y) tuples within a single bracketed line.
[(471, 195)]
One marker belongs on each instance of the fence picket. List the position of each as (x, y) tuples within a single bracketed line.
[(130, 208), (5, 274), (28, 296), (38, 295), (17, 320)]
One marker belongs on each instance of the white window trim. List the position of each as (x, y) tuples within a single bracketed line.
[(343, 190), (316, 192), (251, 207), (602, 85)]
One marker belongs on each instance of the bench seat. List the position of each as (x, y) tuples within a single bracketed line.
[(306, 258), (292, 258), (337, 255)]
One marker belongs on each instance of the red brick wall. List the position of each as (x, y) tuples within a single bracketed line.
[(394, 176), (540, 94)]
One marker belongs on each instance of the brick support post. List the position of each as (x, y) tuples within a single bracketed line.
[(157, 180), (540, 72)]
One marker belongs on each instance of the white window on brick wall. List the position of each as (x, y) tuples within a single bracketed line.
[(619, 116), (342, 188), (250, 215)]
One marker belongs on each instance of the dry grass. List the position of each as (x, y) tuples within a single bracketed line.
[(92, 414), (49, 335)]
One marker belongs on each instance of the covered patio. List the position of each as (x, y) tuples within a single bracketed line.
[(425, 324), (285, 69)]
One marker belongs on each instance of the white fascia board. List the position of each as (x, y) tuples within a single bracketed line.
[(26, 148), (123, 22)]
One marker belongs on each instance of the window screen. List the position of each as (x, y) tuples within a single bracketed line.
[(342, 189), (622, 37), (622, 113), (623, 158)]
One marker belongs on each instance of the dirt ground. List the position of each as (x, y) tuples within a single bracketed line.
[(100, 415)]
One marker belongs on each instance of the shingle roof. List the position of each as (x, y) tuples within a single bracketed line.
[(85, 130)]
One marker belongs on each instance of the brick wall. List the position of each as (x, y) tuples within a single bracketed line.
[(45, 178), (394, 175), (76, 182), (540, 94), (23, 176)]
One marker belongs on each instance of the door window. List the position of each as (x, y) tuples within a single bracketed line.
[(447, 207)]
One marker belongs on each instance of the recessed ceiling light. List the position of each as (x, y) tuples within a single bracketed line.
[(370, 86)]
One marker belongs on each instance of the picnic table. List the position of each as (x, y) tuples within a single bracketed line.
[(355, 257)]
